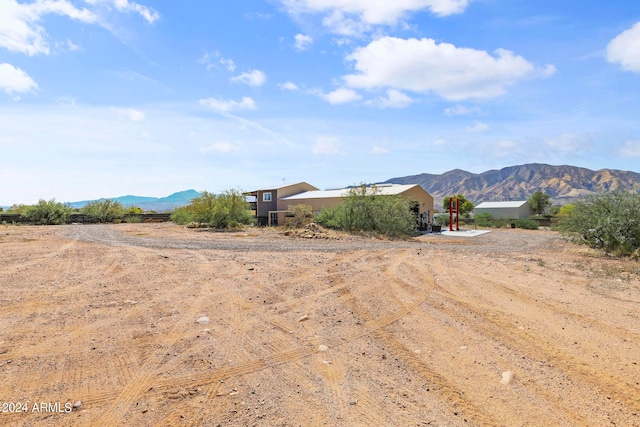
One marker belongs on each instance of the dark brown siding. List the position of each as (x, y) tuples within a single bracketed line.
[(265, 207)]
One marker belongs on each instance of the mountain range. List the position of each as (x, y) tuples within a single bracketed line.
[(158, 204), (564, 184)]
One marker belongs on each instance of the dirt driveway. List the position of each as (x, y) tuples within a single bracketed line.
[(155, 324)]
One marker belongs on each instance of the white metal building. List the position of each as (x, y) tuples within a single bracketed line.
[(513, 210)]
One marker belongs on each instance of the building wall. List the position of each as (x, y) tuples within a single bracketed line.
[(425, 200), (273, 205), (523, 211), (316, 204), (265, 207)]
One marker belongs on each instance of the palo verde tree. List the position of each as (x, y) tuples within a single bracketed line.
[(228, 209), (366, 209), (466, 206), (106, 210), (608, 221), (539, 201), (48, 212)]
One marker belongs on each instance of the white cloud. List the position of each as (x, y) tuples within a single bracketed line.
[(20, 30), (211, 60), (149, 14), (478, 127), (341, 96), (288, 86), (349, 17), (570, 143), (631, 148), (379, 150), (425, 66), (218, 147), (302, 42), (228, 64), (461, 110), (72, 46), (13, 80), (394, 99), (225, 106), (625, 49), (325, 146), (131, 114), (252, 78)]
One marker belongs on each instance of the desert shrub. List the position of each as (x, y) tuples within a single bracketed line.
[(133, 210), (302, 215), (48, 212), (226, 210), (132, 219), (17, 209), (330, 217), (608, 221), (484, 219), (182, 216), (364, 209), (526, 224), (104, 211)]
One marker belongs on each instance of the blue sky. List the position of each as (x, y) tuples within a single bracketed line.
[(102, 98)]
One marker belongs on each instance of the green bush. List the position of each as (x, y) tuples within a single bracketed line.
[(226, 210), (182, 216), (484, 219), (364, 209), (18, 209), (48, 212), (608, 221), (526, 224), (104, 211), (132, 219)]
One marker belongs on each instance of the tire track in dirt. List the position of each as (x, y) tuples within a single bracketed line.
[(500, 285), (500, 328), (377, 326), (150, 378)]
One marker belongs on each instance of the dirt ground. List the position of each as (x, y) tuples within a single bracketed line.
[(156, 324)]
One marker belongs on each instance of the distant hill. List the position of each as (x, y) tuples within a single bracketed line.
[(158, 204), (563, 183)]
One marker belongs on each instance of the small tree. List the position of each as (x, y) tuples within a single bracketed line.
[(226, 210), (365, 209), (539, 202), (466, 206), (48, 212), (104, 211)]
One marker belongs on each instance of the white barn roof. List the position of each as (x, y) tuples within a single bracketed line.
[(503, 205), (384, 189)]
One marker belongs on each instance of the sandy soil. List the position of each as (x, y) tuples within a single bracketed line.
[(513, 328)]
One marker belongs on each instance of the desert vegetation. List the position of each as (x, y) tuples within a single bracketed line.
[(365, 210), (607, 221), (227, 210)]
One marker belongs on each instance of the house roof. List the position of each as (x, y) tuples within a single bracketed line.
[(385, 189), (278, 187), (504, 205)]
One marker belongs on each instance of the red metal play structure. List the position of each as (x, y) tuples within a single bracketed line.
[(454, 208)]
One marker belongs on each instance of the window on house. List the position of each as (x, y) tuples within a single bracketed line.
[(266, 197)]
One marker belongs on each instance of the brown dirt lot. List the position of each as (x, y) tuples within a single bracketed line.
[(513, 328)]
